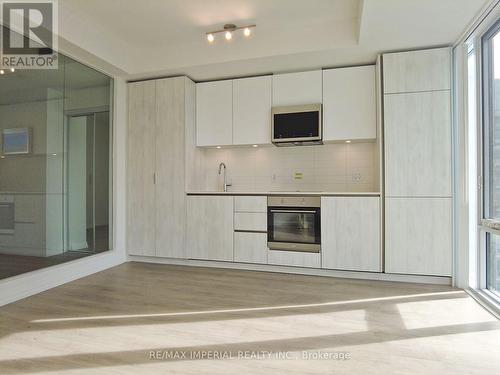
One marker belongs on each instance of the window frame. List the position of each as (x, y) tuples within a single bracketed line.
[(486, 225)]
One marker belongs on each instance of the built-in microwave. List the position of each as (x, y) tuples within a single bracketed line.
[(297, 125)]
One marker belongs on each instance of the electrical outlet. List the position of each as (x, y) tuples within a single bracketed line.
[(357, 177)]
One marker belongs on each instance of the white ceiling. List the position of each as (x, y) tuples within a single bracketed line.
[(167, 37)]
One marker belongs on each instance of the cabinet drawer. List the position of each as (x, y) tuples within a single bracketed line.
[(256, 221), (250, 204), (294, 258), (250, 247)]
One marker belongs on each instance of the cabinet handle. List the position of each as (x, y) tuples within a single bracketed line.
[(154, 178)]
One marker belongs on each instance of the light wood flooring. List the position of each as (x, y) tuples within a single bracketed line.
[(111, 322)]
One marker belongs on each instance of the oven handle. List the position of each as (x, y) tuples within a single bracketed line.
[(295, 212)]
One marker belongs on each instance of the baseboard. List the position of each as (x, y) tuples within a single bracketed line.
[(439, 280), (21, 286)]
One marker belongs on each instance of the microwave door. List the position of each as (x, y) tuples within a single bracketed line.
[(297, 124)]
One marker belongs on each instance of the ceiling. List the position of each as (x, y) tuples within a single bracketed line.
[(166, 37)]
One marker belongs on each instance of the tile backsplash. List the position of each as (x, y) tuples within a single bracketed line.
[(330, 167)]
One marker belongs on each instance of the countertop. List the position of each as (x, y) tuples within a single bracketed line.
[(300, 193)]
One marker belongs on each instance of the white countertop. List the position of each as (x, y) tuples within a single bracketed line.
[(302, 193)]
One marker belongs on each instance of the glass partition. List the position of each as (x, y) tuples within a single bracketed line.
[(55, 166)]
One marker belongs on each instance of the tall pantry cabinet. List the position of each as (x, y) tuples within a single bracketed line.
[(417, 144), (157, 120)]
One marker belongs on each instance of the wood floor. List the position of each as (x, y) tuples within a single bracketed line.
[(12, 265), (112, 322)]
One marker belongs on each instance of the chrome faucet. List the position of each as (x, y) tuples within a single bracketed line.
[(222, 165)]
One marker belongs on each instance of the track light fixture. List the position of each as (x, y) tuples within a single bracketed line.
[(229, 30), (3, 71)]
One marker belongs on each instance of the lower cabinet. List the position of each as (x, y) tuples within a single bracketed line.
[(294, 258), (350, 233), (210, 228), (250, 247), (418, 236)]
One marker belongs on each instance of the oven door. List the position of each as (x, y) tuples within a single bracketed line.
[(294, 229)]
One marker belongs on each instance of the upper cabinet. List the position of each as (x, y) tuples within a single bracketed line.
[(297, 88), (349, 104), (238, 112), (214, 113), (425, 70), (252, 110)]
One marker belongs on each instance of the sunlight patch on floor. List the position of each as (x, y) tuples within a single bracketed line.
[(250, 309), (83, 340), (439, 313)]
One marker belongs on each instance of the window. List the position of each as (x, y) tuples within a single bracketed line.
[(490, 223)]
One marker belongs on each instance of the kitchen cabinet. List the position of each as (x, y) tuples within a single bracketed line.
[(350, 233), (349, 104), (156, 202), (418, 182), (250, 204), (210, 227), (412, 71), (141, 168), (294, 258), (214, 113), (418, 144), (170, 195), (252, 110), (256, 221), (297, 88), (250, 247), (418, 236)]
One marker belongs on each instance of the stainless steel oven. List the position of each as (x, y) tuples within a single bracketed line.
[(294, 223)]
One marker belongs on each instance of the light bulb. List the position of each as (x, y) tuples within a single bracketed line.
[(12, 70), (2, 71), (219, 147), (347, 141), (229, 35), (255, 146), (247, 31), (210, 38)]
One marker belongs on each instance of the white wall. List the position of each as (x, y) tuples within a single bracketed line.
[(338, 167)]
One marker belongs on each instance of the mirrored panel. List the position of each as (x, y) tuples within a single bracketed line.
[(55, 166)]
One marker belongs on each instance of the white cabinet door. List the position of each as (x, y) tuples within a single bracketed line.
[(418, 144), (140, 168), (250, 247), (210, 227), (214, 113), (418, 236), (350, 233), (170, 171), (349, 104), (252, 110), (297, 88), (424, 70)]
